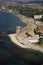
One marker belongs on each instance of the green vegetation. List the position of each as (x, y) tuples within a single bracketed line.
[(11, 7), (27, 11), (24, 10)]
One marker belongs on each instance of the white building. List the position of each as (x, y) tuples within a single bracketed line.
[(39, 23), (37, 16), (28, 40), (3, 7), (10, 10)]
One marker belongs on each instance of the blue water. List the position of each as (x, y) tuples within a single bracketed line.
[(8, 51), (8, 22)]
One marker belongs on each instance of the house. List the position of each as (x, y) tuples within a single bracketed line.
[(37, 16)]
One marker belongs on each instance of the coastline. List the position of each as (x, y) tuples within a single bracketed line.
[(23, 18), (29, 46), (20, 55)]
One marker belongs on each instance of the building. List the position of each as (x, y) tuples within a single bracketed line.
[(37, 16), (28, 40), (10, 10), (39, 23), (3, 7), (18, 30)]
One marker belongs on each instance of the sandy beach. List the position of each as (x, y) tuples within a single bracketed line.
[(24, 18)]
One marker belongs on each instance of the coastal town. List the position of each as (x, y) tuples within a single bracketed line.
[(26, 37), (30, 36), (21, 32)]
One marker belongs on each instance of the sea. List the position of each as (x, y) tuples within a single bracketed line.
[(11, 54)]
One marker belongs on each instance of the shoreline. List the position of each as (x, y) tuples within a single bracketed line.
[(23, 18), (30, 46)]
